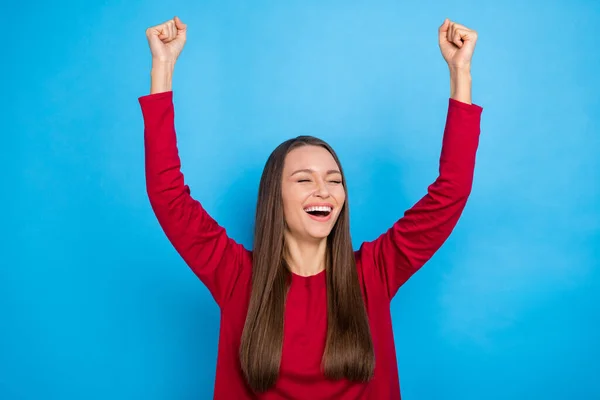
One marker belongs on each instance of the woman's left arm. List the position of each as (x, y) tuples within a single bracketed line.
[(414, 238)]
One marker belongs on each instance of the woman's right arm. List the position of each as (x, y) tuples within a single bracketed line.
[(204, 245)]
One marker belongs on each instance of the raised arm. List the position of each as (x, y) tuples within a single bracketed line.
[(414, 238), (204, 245)]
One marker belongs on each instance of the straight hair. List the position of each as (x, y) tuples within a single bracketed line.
[(349, 348)]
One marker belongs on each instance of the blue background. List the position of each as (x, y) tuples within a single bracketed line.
[(95, 303)]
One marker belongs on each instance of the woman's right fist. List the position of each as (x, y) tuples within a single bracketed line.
[(167, 39)]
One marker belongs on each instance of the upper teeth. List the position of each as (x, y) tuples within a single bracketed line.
[(318, 208)]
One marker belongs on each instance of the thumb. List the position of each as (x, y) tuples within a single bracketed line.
[(152, 34), (469, 44)]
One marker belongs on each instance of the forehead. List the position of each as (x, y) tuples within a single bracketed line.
[(309, 157)]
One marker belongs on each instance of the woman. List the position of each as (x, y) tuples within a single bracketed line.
[(303, 316)]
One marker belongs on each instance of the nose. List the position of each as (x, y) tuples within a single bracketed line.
[(321, 190)]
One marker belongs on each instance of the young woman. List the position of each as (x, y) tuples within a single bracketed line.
[(304, 316)]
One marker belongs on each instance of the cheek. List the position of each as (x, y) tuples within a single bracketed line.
[(292, 202), (340, 196)]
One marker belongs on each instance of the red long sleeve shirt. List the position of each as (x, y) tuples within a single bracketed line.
[(383, 264)]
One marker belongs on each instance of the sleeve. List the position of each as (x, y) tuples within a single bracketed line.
[(204, 245), (420, 232)]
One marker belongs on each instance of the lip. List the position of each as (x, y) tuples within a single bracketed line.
[(320, 218), (319, 205)]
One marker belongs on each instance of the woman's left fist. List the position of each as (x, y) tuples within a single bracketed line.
[(457, 43)]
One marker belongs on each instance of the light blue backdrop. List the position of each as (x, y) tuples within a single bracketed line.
[(95, 303)]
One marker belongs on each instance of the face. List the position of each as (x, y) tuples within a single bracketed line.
[(313, 193)]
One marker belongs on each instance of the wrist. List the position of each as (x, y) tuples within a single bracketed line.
[(460, 68), (460, 72), (163, 63), (460, 84), (161, 76)]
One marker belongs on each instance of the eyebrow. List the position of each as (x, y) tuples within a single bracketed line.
[(310, 171)]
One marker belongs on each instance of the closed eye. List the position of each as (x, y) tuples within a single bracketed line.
[(303, 180), (336, 182)]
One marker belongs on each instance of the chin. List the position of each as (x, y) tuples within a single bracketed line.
[(318, 233)]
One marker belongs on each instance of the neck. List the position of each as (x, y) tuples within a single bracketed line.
[(305, 257)]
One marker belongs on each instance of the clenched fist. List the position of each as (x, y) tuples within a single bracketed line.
[(457, 43), (167, 40)]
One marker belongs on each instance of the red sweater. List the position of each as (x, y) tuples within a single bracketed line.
[(383, 264)]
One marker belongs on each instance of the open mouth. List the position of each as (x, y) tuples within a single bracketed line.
[(319, 211)]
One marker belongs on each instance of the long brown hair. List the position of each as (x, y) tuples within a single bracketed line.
[(349, 347)]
